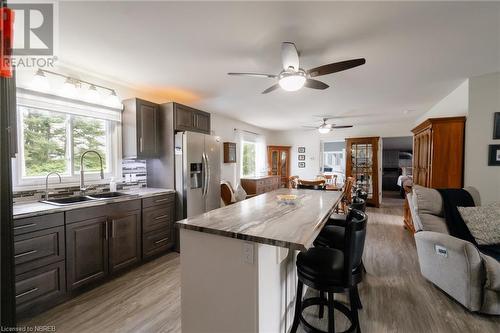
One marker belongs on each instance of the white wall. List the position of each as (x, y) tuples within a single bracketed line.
[(311, 141), (484, 100), (455, 103), (224, 128)]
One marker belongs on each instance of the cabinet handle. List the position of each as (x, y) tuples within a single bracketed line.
[(27, 292), (141, 145), (25, 226), (161, 200), (25, 253), (161, 217), (161, 240), (112, 228), (106, 235)]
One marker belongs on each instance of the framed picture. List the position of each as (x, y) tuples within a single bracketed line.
[(302, 164), (496, 126), (302, 150), (494, 155), (302, 157)]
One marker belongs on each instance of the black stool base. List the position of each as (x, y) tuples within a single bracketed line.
[(330, 304)]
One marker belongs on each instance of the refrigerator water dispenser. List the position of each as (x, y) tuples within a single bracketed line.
[(196, 175)]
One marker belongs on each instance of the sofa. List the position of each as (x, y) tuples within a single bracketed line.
[(454, 265)]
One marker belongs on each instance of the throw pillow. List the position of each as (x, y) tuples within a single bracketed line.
[(483, 223)]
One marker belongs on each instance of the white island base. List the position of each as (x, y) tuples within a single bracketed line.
[(235, 286)]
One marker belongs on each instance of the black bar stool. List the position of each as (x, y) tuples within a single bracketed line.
[(332, 271)]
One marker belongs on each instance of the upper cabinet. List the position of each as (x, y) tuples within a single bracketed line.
[(140, 124), (189, 119)]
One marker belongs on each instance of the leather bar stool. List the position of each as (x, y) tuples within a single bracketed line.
[(332, 271), (339, 219)]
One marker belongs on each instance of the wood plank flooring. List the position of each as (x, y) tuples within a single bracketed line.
[(396, 298)]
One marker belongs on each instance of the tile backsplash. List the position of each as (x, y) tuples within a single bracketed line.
[(134, 176)]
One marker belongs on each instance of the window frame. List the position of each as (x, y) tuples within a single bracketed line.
[(113, 147)]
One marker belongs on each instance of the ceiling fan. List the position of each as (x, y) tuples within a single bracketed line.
[(292, 77), (325, 128)]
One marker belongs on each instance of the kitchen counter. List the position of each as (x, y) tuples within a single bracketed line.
[(263, 219), (30, 209), (238, 271)]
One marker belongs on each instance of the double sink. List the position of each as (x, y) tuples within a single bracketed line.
[(85, 198)]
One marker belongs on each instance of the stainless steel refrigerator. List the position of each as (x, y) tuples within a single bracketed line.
[(197, 173)]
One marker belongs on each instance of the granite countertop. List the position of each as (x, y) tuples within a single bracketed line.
[(263, 219), (30, 209)]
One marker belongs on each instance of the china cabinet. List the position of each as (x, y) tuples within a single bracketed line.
[(278, 159), (362, 164)]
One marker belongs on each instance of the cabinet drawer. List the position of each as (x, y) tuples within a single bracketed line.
[(22, 226), (41, 288), (156, 242), (158, 200), (157, 218), (38, 248)]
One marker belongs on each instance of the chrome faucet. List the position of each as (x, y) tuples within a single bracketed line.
[(47, 183), (82, 172)]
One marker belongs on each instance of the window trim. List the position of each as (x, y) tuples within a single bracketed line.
[(114, 170)]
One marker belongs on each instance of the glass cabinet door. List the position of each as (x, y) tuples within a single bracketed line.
[(362, 162)]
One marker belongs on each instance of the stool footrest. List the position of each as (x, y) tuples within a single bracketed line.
[(323, 301)]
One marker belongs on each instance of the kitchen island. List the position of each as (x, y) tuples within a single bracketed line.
[(238, 262)]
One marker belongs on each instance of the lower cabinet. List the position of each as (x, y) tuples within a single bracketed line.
[(103, 245), (39, 289), (125, 240), (87, 251), (62, 252)]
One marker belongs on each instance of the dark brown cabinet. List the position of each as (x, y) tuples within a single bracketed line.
[(158, 217), (102, 240), (87, 251), (39, 254), (189, 119), (125, 240), (39, 289), (140, 127), (61, 252)]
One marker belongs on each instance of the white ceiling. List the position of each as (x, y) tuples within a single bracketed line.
[(416, 53)]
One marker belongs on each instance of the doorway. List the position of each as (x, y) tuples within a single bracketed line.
[(397, 159)]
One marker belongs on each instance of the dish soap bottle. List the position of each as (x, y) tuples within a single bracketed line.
[(112, 185)]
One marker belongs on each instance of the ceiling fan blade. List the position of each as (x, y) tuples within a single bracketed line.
[(271, 88), (315, 84), (311, 127), (343, 126), (336, 67), (272, 76), (289, 56)]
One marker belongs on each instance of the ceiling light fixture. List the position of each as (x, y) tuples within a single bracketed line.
[(93, 95), (291, 80), (324, 129), (113, 100), (40, 81), (71, 88)]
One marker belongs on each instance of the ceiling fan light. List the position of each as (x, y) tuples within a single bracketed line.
[(292, 82), (324, 130)]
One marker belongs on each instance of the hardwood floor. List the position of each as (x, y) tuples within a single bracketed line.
[(396, 298)]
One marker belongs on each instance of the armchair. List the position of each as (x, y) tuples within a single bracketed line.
[(455, 266)]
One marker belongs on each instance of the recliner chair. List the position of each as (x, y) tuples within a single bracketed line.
[(455, 266)]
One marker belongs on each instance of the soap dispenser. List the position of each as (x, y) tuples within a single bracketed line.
[(112, 185)]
